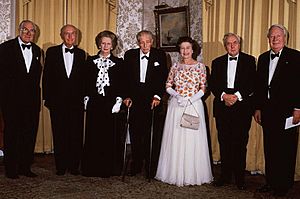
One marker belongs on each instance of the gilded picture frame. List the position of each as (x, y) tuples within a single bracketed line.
[(171, 23)]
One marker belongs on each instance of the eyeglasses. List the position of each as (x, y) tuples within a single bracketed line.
[(25, 31)]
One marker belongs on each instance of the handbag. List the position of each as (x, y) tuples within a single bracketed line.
[(190, 121)]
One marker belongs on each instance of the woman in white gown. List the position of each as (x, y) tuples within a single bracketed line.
[(184, 156)]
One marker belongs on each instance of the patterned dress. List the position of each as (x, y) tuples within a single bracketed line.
[(184, 157)]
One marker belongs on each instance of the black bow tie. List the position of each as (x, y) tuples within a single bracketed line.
[(26, 46), (145, 56), (69, 50), (232, 58), (274, 55)]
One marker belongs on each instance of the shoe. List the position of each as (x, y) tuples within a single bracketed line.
[(280, 193), (74, 172), (28, 173), (241, 187), (265, 188), (12, 176), (60, 173), (219, 183)]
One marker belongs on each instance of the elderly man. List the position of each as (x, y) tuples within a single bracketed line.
[(63, 92), (20, 72), (277, 97), (232, 84), (146, 76)]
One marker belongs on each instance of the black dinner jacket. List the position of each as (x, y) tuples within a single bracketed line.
[(18, 89), (58, 89), (284, 86), (156, 74), (244, 81)]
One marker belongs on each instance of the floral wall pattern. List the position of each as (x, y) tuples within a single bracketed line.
[(7, 20), (135, 15)]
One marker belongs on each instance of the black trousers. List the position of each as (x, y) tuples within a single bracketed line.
[(67, 129), (20, 129), (280, 150), (140, 135), (233, 132)]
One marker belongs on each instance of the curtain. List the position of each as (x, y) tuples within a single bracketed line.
[(89, 16), (250, 19)]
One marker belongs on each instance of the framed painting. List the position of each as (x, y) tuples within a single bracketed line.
[(171, 23)]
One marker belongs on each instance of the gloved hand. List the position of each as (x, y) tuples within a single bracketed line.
[(85, 101), (197, 96), (172, 92), (116, 108), (183, 101)]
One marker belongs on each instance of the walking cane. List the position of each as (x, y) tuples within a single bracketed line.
[(125, 161), (151, 140)]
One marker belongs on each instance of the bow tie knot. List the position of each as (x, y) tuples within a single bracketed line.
[(232, 58), (26, 46), (146, 57), (274, 55), (69, 50)]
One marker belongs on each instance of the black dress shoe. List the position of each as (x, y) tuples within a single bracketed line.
[(60, 173), (74, 172), (280, 193), (264, 189), (29, 174), (219, 183), (241, 187), (12, 176)]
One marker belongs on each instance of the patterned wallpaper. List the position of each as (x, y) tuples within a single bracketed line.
[(135, 15), (7, 20)]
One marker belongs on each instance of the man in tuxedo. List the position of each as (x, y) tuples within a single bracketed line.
[(63, 92), (20, 72), (232, 84), (277, 97), (147, 72)]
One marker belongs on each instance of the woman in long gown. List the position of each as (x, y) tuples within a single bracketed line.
[(104, 86), (184, 157)]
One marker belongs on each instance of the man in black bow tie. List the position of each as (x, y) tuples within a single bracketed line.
[(277, 97), (232, 84), (63, 92), (147, 72), (20, 72)]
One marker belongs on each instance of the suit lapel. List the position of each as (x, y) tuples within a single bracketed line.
[(19, 56), (137, 69)]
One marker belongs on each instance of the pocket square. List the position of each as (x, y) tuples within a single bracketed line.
[(156, 63)]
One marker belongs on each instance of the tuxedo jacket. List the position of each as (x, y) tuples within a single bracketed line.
[(59, 90), (284, 86), (244, 82), (116, 79), (19, 90), (156, 74)]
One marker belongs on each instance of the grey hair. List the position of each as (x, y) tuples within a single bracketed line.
[(65, 26), (285, 32), (144, 32), (228, 35), (21, 26)]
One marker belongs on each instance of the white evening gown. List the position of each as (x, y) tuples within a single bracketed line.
[(184, 157)]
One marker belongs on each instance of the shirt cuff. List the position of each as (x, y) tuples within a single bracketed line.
[(222, 96), (238, 94), (156, 96)]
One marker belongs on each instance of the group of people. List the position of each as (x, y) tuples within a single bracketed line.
[(104, 85)]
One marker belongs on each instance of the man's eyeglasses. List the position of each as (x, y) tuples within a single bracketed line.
[(25, 30)]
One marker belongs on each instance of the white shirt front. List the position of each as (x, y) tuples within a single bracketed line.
[(143, 66), (231, 70), (68, 59), (272, 68), (27, 54)]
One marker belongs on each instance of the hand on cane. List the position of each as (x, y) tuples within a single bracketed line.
[(155, 102)]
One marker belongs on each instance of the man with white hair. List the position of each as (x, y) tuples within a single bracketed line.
[(277, 98)]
